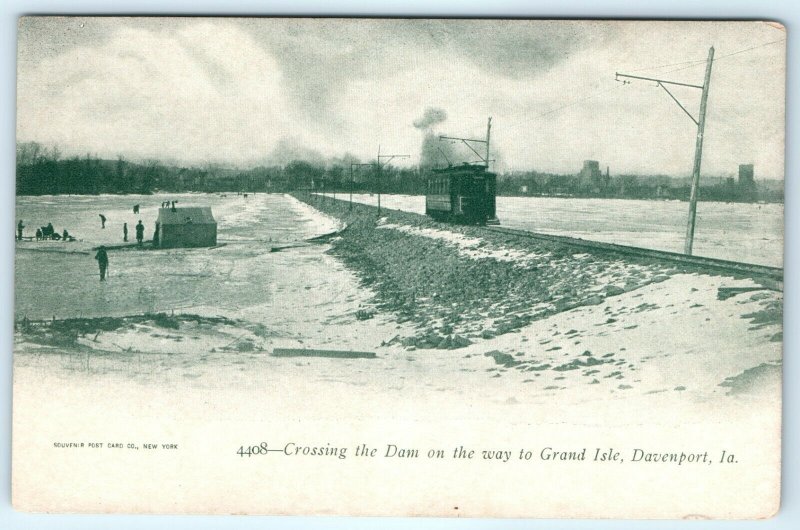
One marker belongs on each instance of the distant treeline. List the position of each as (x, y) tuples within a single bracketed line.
[(42, 171), (724, 189)]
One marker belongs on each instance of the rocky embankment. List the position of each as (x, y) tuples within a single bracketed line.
[(457, 284)]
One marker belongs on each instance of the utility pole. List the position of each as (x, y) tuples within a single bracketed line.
[(379, 167), (698, 149)]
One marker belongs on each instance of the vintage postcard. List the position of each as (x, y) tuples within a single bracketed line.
[(402, 267)]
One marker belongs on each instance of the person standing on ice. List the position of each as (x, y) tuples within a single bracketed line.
[(125, 232), (20, 227), (139, 232), (102, 221), (102, 261)]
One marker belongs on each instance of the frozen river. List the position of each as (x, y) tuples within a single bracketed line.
[(58, 279), (750, 233)]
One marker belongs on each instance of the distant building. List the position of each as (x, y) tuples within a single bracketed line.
[(186, 227), (591, 178), (590, 171), (747, 183), (746, 175)]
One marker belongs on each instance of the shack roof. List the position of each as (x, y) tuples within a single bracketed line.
[(181, 216)]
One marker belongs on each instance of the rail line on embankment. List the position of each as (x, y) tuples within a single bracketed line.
[(771, 277), (711, 264)]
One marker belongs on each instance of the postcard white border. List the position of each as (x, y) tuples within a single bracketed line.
[(785, 11)]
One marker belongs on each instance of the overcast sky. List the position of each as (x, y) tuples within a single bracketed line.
[(253, 91)]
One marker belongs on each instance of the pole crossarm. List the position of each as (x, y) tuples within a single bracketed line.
[(618, 75), (679, 104), (462, 139), (662, 83), (466, 142), (474, 151), (390, 158)]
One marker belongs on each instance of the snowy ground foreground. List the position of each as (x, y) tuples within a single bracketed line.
[(667, 339), (630, 349), (734, 231)]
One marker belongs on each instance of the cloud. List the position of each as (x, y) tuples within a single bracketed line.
[(242, 90), (203, 93)]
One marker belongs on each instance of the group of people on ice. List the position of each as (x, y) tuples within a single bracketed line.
[(139, 227), (44, 233), (48, 232)]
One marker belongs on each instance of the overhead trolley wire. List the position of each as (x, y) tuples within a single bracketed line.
[(691, 64), (698, 62), (579, 100)]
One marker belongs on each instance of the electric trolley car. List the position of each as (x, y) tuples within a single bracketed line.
[(462, 194)]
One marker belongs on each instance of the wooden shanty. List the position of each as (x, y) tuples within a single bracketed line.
[(186, 227)]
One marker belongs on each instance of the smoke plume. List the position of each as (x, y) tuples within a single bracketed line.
[(433, 153), (432, 116), (436, 153)]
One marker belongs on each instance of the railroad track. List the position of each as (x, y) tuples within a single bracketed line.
[(772, 275)]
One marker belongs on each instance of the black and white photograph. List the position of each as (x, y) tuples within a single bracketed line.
[(399, 267)]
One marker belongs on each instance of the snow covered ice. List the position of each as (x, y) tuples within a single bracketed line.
[(671, 338)]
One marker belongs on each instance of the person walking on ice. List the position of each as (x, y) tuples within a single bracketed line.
[(102, 261), (125, 232), (139, 232), (102, 220)]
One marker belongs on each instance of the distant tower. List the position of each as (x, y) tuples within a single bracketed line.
[(747, 184), (746, 175), (591, 170), (590, 176)]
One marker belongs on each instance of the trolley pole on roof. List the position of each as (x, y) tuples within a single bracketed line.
[(698, 149), (379, 167), (488, 135)]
